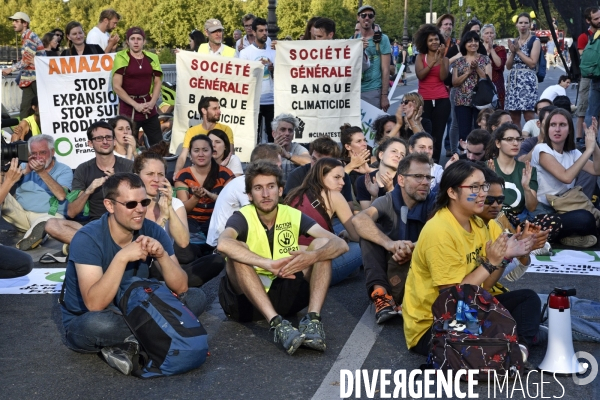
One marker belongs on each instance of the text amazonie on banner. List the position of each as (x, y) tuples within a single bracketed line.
[(319, 83), (233, 82), (73, 93)]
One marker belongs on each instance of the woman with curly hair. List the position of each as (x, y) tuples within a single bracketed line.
[(431, 68)]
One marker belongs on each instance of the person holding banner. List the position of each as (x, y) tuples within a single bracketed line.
[(261, 51), (375, 80), (76, 45), (137, 80)]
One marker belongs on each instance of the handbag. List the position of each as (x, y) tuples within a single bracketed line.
[(485, 94), (571, 200)]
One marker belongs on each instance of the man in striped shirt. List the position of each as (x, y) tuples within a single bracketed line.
[(31, 46)]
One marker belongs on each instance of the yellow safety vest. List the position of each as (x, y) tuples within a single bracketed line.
[(285, 237), (227, 51), (34, 128)]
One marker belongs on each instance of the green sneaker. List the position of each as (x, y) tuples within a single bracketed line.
[(285, 334), (312, 328)]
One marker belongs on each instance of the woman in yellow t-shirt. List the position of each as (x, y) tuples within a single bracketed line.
[(454, 247)]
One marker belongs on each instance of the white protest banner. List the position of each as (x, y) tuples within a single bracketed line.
[(234, 82), (73, 93), (368, 114), (318, 81), (38, 281)]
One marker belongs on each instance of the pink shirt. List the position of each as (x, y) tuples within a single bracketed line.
[(432, 88)]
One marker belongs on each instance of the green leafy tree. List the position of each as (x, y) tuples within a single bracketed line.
[(292, 16), (48, 15)]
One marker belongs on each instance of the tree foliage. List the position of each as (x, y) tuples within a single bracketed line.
[(169, 22)]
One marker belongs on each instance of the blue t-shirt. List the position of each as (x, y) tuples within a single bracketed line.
[(371, 78), (93, 245), (33, 193)]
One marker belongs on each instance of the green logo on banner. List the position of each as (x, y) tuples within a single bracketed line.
[(56, 277), (58, 142)]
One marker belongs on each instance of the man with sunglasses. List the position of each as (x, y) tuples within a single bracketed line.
[(59, 38), (106, 252), (389, 229), (375, 80), (87, 181)]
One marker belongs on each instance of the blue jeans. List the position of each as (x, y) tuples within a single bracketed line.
[(585, 318), (593, 109), (90, 332), (347, 263)]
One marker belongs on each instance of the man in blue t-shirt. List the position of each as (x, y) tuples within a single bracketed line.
[(119, 245), (38, 182), (375, 80)]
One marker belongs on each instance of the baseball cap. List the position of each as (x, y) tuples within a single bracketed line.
[(134, 30), (212, 25), (20, 15), (363, 8)]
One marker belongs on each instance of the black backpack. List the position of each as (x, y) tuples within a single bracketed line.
[(472, 330)]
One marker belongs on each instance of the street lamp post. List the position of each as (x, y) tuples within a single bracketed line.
[(272, 19), (405, 32), (468, 12)]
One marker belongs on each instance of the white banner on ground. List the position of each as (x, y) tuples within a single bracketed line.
[(39, 281), (73, 93), (368, 114), (236, 83), (318, 81), (568, 262)]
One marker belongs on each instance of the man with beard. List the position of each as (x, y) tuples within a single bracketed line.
[(389, 229), (106, 252), (210, 110), (101, 33), (215, 46), (268, 275), (41, 179), (260, 51), (87, 182), (293, 154), (248, 39)]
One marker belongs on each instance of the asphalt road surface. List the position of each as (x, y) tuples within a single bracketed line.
[(244, 362)]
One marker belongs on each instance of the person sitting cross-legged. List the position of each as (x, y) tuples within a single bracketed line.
[(389, 229), (268, 274), (105, 253)]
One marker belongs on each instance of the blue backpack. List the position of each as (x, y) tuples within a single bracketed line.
[(172, 339), (540, 67)]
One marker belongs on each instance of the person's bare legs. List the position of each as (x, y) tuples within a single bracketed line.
[(245, 281), (62, 230), (319, 276), (579, 127)]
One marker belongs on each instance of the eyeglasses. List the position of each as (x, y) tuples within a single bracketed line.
[(405, 102), (100, 139), (367, 15), (420, 177), (130, 205), (58, 34), (489, 200), (478, 188), (513, 139)]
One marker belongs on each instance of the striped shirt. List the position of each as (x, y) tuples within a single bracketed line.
[(32, 46), (204, 209)]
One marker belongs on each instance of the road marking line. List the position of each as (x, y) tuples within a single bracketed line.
[(353, 354)]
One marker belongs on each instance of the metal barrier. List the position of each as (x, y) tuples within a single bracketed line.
[(11, 93)]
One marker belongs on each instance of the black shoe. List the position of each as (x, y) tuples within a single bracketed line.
[(312, 329)]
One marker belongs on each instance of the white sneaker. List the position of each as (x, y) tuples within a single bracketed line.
[(544, 251)]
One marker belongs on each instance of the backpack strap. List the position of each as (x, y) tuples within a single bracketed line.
[(316, 204)]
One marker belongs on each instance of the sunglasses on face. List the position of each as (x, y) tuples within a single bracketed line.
[(130, 205), (367, 15), (405, 102), (489, 200)]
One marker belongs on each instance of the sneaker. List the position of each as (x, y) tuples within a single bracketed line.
[(312, 329), (33, 237), (384, 305), (579, 241), (544, 251), (285, 334), (121, 357), (541, 337)]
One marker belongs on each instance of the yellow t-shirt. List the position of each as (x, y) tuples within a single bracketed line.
[(444, 255), (199, 130)]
